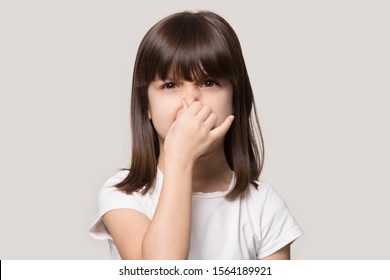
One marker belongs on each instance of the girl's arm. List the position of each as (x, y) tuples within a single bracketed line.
[(167, 235), (281, 254)]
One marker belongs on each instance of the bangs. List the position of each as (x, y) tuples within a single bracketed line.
[(185, 48)]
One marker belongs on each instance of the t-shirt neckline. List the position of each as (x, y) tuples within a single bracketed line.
[(202, 195)]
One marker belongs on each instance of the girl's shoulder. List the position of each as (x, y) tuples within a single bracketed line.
[(110, 197), (109, 184), (117, 178), (259, 189), (265, 195)]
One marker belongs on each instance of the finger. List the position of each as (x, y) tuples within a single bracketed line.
[(204, 113), (182, 108), (195, 107), (211, 121), (184, 104), (221, 130)]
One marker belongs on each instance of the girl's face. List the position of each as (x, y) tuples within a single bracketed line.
[(165, 100)]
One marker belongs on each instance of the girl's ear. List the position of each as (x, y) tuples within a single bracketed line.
[(149, 115)]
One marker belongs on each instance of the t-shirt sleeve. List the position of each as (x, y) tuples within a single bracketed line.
[(278, 226), (111, 198)]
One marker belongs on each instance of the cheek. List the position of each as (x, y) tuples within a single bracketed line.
[(222, 106), (163, 114)]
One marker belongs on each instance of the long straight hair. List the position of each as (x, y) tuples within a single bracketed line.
[(191, 46)]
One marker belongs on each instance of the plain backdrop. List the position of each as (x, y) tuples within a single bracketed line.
[(320, 71)]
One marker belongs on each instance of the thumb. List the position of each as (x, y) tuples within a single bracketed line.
[(222, 129), (182, 108), (184, 104)]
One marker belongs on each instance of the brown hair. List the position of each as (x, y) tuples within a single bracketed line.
[(190, 46)]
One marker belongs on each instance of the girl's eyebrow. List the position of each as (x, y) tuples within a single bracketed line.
[(159, 82)]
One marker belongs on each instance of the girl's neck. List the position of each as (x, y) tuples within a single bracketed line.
[(211, 173)]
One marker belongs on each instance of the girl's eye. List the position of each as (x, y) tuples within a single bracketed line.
[(210, 83), (169, 85)]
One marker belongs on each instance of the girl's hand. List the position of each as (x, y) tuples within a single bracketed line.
[(192, 132)]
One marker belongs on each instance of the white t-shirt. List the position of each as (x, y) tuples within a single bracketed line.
[(253, 226)]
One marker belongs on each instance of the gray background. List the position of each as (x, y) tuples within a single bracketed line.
[(320, 71)]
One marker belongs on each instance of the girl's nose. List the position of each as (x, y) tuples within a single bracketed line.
[(191, 94)]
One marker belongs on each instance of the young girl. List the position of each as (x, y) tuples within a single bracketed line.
[(192, 190)]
